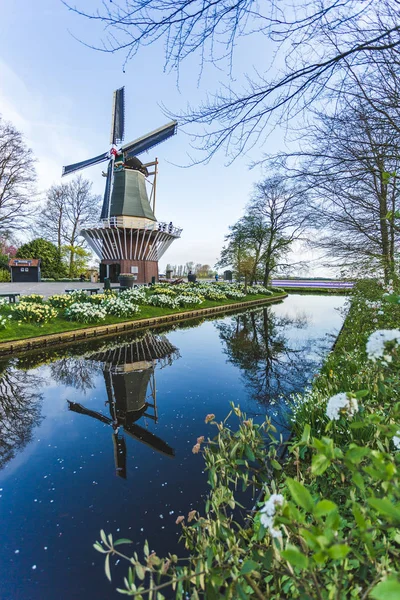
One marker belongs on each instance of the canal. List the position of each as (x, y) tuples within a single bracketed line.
[(99, 435)]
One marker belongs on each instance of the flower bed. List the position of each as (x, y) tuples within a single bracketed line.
[(31, 312), (84, 312)]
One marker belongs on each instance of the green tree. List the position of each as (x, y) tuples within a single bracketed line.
[(77, 258), (51, 261)]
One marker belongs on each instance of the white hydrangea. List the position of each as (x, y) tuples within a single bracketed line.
[(377, 341), (268, 514), (340, 403)]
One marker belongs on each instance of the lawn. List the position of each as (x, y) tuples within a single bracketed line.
[(21, 330)]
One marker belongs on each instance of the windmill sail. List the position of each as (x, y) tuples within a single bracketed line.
[(107, 193), (85, 163), (118, 116), (150, 140)]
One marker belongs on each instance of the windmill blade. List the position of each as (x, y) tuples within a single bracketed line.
[(150, 140), (85, 163), (118, 117), (107, 193)]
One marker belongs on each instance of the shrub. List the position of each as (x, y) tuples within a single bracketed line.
[(4, 276), (84, 312), (29, 311)]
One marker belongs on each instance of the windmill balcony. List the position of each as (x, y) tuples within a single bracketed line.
[(138, 223)]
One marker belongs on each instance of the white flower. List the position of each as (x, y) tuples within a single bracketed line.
[(341, 403), (268, 514), (377, 341), (396, 440)]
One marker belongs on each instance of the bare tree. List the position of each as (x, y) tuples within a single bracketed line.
[(350, 166), (69, 208), (316, 41), (52, 220), (17, 179)]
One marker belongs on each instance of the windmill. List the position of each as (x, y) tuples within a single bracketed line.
[(129, 239)]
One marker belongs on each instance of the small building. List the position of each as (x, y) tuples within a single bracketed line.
[(228, 275), (24, 269)]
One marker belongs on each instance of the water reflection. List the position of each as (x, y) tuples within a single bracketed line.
[(129, 374), (20, 410), (274, 362)]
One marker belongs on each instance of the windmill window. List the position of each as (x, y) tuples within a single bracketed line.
[(134, 269)]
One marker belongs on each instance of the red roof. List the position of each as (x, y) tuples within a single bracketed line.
[(24, 262)]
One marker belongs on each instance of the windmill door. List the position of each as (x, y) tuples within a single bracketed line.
[(115, 270)]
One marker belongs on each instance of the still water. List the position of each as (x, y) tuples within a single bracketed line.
[(99, 435)]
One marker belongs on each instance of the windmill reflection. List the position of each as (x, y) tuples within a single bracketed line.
[(129, 373)]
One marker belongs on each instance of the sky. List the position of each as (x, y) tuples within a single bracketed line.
[(58, 93)]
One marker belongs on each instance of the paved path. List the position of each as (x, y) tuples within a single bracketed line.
[(45, 288)]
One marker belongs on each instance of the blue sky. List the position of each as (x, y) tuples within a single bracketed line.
[(59, 93)]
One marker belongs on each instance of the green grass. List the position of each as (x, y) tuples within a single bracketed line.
[(15, 331)]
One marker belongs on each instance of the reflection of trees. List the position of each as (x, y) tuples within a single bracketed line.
[(77, 373), (273, 365), (20, 406)]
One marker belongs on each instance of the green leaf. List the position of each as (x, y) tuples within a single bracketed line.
[(107, 567), (361, 393), (324, 508), (249, 453), (306, 434), (355, 454), (295, 557), (276, 465), (300, 494), (319, 464), (249, 566), (122, 541), (139, 571), (385, 507), (339, 551), (387, 590)]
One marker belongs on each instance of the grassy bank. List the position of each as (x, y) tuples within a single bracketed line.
[(24, 330), (327, 527)]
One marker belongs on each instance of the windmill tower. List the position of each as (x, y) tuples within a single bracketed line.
[(129, 239)]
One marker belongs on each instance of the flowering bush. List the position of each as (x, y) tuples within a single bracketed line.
[(235, 294), (326, 523), (119, 307), (79, 296), (214, 295), (100, 298), (137, 296), (61, 300), (84, 312), (188, 299), (39, 313), (4, 321), (4, 302), (163, 301), (167, 291), (260, 289), (35, 298)]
